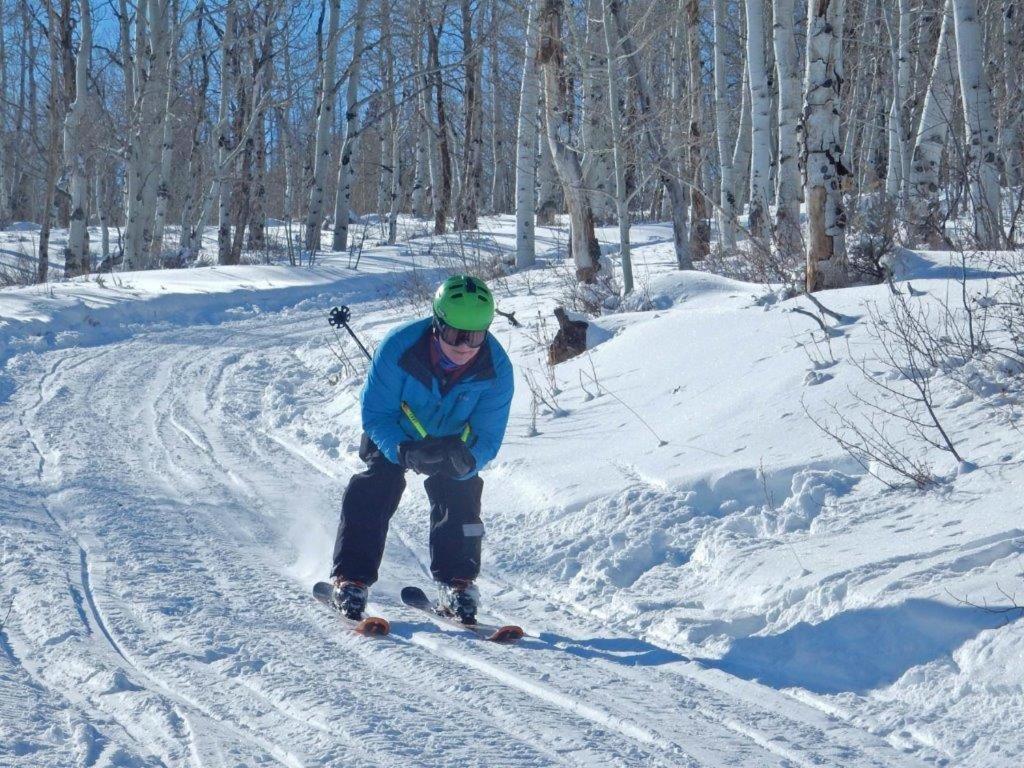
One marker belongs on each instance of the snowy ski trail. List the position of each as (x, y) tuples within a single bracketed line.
[(158, 605)]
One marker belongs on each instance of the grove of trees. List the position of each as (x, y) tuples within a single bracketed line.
[(780, 137)]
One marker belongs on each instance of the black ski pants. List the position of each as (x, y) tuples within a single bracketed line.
[(370, 501)]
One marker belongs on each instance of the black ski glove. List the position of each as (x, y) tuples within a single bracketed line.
[(460, 459), (428, 456), (437, 456)]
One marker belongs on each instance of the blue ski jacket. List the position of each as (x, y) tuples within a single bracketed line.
[(401, 371)]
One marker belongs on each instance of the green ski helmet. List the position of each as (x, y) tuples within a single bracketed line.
[(465, 303)]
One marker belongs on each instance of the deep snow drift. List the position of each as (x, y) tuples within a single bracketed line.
[(706, 578)]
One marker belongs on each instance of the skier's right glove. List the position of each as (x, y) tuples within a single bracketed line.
[(447, 456), (428, 456)]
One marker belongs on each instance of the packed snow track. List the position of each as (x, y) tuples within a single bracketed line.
[(160, 537)]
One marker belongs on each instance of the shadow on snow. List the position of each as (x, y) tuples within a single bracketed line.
[(859, 650)]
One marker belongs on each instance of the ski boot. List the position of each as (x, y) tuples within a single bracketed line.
[(458, 599), (350, 597)]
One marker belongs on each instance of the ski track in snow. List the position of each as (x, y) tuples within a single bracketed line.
[(173, 512)]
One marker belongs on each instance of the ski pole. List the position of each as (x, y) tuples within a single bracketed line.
[(339, 317)]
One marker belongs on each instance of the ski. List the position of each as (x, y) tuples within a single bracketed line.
[(415, 597), (368, 625)]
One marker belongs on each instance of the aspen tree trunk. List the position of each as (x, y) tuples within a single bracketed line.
[(288, 146), (700, 230), (741, 152), (824, 169), (258, 210), (233, 75), (443, 199), (727, 199), (500, 177), (932, 133), (895, 177), (597, 152), (621, 193), (220, 135), (788, 194), (322, 147), (390, 161), (343, 190), (980, 124), (526, 147), (53, 147), (152, 34), (163, 190), (133, 189), (186, 243), (469, 197), (1010, 148), (76, 257), (421, 169), (246, 111), (5, 211), (547, 181), (422, 177), (660, 155), (102, 201), (557, 111), (760, 113)]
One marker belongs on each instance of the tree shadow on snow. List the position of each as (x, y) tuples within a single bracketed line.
[(912, 265), (859, 650)]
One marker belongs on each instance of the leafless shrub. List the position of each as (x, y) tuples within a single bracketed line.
[(912, 349), (1011, 610), (544, 393), (871, 238), (756, 259)]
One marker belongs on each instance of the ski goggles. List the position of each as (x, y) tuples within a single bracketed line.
[(456, 337)]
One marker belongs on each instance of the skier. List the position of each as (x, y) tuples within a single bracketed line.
[(436, 401)]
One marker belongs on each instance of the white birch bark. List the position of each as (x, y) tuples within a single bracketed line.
[(526, 147), (597, 152), (322, 146), (615, 122), (1010, 148), (824, 169), (76, 257), (895, 177), (163, 191), (700, 227), (547, 182), (471, 180), (343, 190), (151, 78), (500, 177), (551, 59), (980, 122), (726, 197), (932, 133), (424, 187), (788, 192), (5, 213), (193, 248), (741, 152), (760, 120), (392, 178), (421, 169), (231, 74), (104, 217)]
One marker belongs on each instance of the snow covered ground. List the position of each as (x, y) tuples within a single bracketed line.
[(706, 579)]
